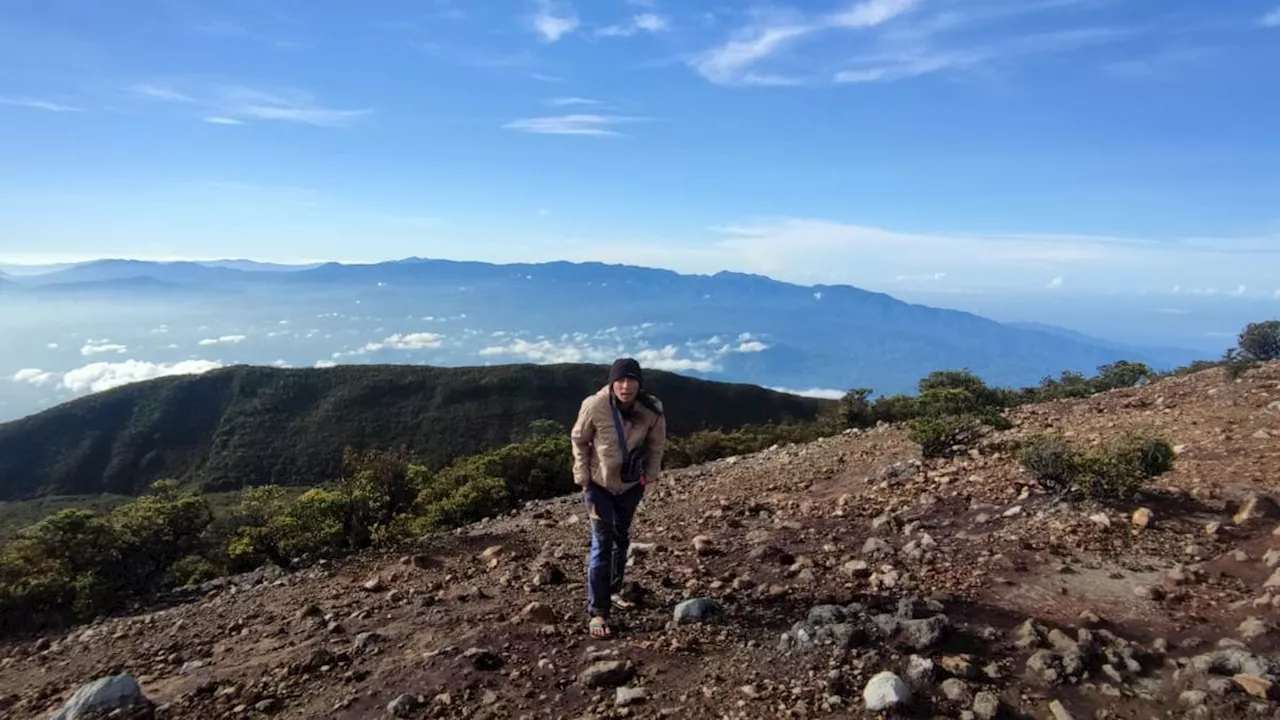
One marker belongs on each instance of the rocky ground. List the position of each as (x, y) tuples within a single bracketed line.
[(844, 578)]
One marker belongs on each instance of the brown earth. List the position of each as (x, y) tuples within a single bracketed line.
[(941, 560)]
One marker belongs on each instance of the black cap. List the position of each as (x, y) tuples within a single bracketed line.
[(625, 368)]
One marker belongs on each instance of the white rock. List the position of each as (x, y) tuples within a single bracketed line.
[(885, 691), (102, 695)]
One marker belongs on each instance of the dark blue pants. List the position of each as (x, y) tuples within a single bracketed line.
[(611, 517)]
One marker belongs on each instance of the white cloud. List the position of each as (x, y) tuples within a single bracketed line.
[(570, 124), (606, 345), (34, 376), (234, 104), (102, 347), (731, 63), (104, 376), (410, 341), (326, 364), (52, 346), (824, 393), (1271, 19), (644, 22), (224, 340), (554, 20), (1055, 283), (899, 65), (567, 101), (891, 40), (38, 104), (281, 364)]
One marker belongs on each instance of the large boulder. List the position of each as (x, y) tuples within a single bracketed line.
[(106, 694)]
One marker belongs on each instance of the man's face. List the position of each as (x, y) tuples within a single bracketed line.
[(626, 389)]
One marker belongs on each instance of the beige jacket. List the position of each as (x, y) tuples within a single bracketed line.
[(596, 457)]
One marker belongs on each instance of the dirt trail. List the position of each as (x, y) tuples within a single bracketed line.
[(827, 564)]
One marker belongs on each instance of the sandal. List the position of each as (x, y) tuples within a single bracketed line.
[(599, 627), (622, 604)]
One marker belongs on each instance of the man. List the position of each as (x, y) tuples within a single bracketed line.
[(618, 441)]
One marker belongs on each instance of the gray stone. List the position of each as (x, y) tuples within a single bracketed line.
[(626, 696), (697, 610), (1193, 698), (402, 706), (885, 691), (103, 695), (875, 546), (920, 671), (607, 673), (826, 615), (956, 691), (923, 634), (986, 705), (366, 640)]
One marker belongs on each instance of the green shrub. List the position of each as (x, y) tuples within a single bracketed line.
[(1116, 472), (1236, 363), (1051, 462), (946, 435), (191, 570), (474, 500), (1261, 340)]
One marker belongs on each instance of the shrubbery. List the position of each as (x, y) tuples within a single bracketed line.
[(1112, 473), (77, 564)]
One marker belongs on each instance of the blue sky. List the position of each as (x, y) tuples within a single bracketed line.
[(913, 145)]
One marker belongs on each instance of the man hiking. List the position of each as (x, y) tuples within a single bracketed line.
[(618, 441)]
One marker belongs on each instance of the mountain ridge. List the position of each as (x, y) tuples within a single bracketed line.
[(819, 336), (245, 425)]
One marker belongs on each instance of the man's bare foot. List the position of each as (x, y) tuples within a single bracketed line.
[(599, 627)]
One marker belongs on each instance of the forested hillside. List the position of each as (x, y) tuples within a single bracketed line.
[(248, 425)]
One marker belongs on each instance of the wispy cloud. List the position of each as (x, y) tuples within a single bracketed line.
[(34, 376), (38, 104), (1271, 19), (890, 68), (1166, 63), (1056, 283), (223, 340), (553, 20), (103, 347), (644, 22), (706, 355), (161, 92), (583, 124), (568, 101), (820, 251), (236, 104), (890, 40), (399, 341), (732, 63)]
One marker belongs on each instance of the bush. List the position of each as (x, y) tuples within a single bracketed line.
[(945, 436), (1261, 340), (1050, 462), (478, 498), (191, 570), (1116, 472), (1236, 363)]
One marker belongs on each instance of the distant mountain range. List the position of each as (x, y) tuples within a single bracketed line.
[(726, 326)]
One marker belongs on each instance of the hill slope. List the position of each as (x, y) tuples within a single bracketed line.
[(829, 564), (245, 425)]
